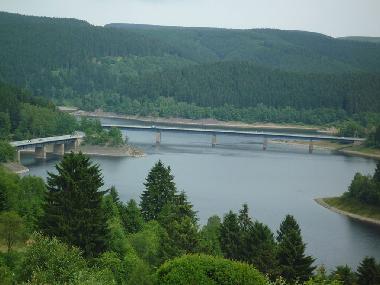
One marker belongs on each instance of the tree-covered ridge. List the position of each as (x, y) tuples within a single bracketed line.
[(290, 50)]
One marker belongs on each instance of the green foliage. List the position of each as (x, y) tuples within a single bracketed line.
[(159, 190), (249, 241), (209, 238), (344, 274), (294, 264), (7, 152), (73, 210), (31, 198), (131, 217), (5, 125), (49, 261), (368, 272), (148, 243), (203, 269), (12, 229), (351, 129), (96, 135), (364, 189)]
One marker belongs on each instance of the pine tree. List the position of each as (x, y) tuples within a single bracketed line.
[(368, 272), (376, 175), (73, 211), (230, 236), (294, 264), (131, 217), (160, 190), (180, 222)]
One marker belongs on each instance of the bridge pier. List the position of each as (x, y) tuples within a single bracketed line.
[(311, 146), (213, 140), (265, 143), (18, 156), (59, 149), (40, 152), (158, 138)]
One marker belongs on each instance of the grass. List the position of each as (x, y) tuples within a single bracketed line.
[(354, 207), (366, 149)]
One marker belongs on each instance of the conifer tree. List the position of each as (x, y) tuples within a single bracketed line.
[(131, 217), (294, 264), (160, 190), (376, 176), (368, 272), (230, 236), (73, 211)]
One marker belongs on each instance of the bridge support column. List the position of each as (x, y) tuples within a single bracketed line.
[(18, 156), (158, 138), (59, 149), (265, 143), (357, 143), (40, 152), (213, 140), (311, 146)]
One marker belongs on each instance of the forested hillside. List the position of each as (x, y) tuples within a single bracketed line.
[(208, 72)]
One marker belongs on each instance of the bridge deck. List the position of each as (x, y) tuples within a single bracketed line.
[(48, 140), (273, 135)]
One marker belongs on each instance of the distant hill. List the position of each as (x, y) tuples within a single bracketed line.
[(289, 50), (375, 40), (73, 62)]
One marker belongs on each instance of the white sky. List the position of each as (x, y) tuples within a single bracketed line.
[(331, 17)]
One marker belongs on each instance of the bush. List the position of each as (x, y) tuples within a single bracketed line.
[(204, 269)]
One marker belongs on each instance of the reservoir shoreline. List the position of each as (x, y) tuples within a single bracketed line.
[(322, 202)]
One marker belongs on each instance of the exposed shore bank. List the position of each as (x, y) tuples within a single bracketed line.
[(16, 167), (208, 123), (323, 203), (121, 151)]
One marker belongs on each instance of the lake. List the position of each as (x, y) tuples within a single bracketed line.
[(282, 180)]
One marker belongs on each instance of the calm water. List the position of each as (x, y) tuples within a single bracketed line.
[(283, 179)]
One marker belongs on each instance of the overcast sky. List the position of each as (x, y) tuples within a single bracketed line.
[(331, 17)]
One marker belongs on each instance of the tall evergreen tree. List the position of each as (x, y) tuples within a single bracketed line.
[(73, 211), (294, 264), (376, 175), (131, 217), (160, 190), (230, 236), (368, 272)]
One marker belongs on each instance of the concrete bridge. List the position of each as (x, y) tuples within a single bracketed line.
[(214, 132), (40, 144)]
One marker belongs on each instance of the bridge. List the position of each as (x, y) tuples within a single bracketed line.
[(40, 144), (258, 134)]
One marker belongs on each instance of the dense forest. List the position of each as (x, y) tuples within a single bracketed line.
[(70, 230), (120, 67)]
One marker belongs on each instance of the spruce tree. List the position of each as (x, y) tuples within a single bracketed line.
[(160, 190), (376, 175), (294, 265), (131, 217), (230, 236), (368, 272), (73, 210)]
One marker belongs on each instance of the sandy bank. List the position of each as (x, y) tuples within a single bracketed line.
[(16, 167), (121, 151), (201, 122), (347, 151), (321, 202)]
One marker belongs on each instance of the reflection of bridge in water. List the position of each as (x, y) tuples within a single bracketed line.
[(39, 145), (214, 132)]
